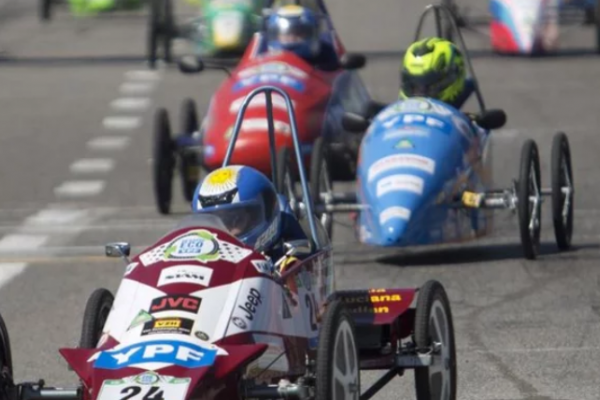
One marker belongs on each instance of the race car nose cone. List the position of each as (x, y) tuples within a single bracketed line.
[(393, 232)]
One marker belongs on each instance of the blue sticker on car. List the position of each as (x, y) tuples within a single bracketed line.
[(285, 80), (157, 351)]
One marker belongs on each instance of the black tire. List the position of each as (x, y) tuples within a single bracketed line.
[(526, 187), (94, 318), (285, 183), (432, 296), (562, 176), (337, 334), (164, 161), (320, 180), (189, 166), (447, 29), (6, 364), (45, 9)]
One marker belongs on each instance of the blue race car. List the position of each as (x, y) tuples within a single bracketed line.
[(424, 175)]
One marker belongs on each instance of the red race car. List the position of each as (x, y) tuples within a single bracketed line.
[(320, 98)]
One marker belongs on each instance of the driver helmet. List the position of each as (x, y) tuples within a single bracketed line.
[(296, 29), (433, 67), (245, 201)]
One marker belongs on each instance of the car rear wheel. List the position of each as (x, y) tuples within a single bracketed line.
[(189, 166), (321, 184), (337, 366), (434, 333), (562, 191), (6, 365), (164, 161), (94, 318), (529, 200)]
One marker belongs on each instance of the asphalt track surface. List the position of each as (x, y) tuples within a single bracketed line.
[(524, 330)]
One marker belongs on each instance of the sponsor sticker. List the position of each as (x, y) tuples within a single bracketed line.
[(176, 303), (194, 274), (174, 352), (131, 267), (168, 325), (263, 266), (142, 317), (250, 306), (406, 131), (260, 101), (270, 78), (272, 67), (200, 245), (401, 161), (394, 212), (402, 182)]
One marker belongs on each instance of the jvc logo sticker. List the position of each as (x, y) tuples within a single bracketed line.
[(253, 299), (160, 351)]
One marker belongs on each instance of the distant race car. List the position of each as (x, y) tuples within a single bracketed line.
[(320, 98), (529, 27), (87, 8), (424, 176), (199, 315), (223, 28)]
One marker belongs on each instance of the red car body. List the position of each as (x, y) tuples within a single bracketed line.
[(319, 98)]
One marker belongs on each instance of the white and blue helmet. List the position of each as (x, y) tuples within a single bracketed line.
[(245, 201)]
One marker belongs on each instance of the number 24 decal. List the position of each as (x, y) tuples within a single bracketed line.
[(311, 303), (153, 393)]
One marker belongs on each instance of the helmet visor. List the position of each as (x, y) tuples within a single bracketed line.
[(240, 219), (430, 84), (290, 31)]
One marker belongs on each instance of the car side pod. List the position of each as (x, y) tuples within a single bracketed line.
[(395, 333)]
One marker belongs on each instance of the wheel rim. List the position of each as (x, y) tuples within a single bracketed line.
[(440, 370), (345, 374), (566, 188), (325, 188), (534, 204)]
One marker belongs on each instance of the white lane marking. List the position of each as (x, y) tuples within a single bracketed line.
[(18, 241), (91, 165), (79, 188), (129, 88), (142, 75), (8, 271), (122, 123), (131, 103), (108, 143), (55, 217)]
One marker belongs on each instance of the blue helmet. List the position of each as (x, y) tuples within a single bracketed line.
[(296, 29), (245, 200)]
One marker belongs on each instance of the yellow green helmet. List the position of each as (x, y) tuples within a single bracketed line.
[(433, 67)]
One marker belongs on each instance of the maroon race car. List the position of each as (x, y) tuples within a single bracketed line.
[(200, 315)]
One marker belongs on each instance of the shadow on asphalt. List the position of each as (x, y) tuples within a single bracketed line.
[(477, 254)]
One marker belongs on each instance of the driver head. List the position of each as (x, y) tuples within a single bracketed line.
[(296, 29), (245, 200), (435, 68)]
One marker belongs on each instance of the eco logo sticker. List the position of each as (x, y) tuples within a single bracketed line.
[(198, 245)]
